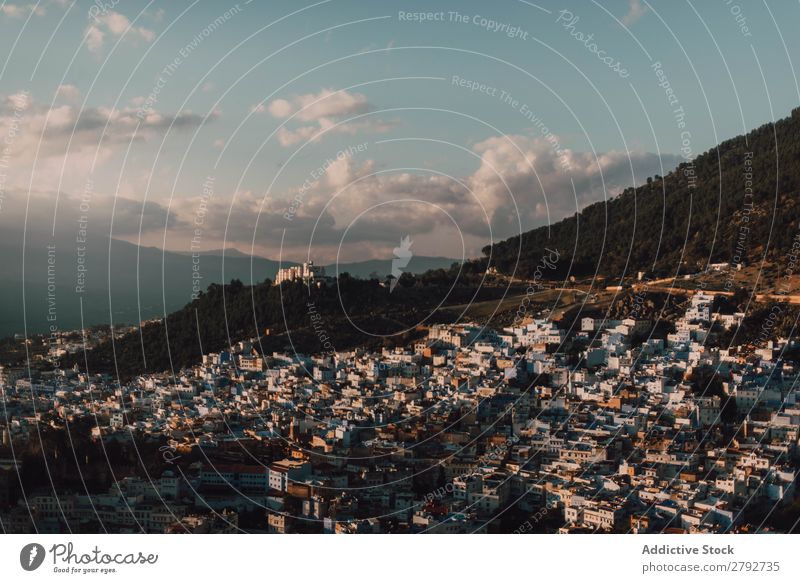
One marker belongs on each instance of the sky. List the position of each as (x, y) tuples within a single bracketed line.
[(331, 130)]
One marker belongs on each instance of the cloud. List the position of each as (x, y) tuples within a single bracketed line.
[(22, 10), (635, 11), (322, 113), (339, 173), (65, 209), (68, 91), (89, 124), (94, 38), (129, 214), (278, 108), (64, 126), (327, 103), (117, 25), (517, 179), (522, 178), (304, 134), (46, 140), (538, 177), (326, 127)]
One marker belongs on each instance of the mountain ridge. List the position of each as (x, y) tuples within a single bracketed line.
[(719, 207)]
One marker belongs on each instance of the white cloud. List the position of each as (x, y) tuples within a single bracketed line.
[(328, 127), (635, 11), (117, 25), (327, 103), (321, 112), (22, 10), (532, 173), (94, 38), (303, 134), (522, 171), (339, 173), (50, 139), (68, 91), (278, 108), (505, 178), (18, 11)]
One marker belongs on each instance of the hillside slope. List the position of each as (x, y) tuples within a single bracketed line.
[(349, 313), (744, 202)]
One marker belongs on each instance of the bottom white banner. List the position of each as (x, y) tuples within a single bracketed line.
[(392, 558)]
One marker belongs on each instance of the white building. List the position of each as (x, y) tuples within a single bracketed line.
[(306, 272)]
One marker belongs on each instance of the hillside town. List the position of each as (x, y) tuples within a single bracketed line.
[(467, 430)]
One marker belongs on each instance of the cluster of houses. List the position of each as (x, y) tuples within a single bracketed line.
[(532, 428)]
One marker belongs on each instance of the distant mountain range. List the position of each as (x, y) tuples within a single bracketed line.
[(132, 283)]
